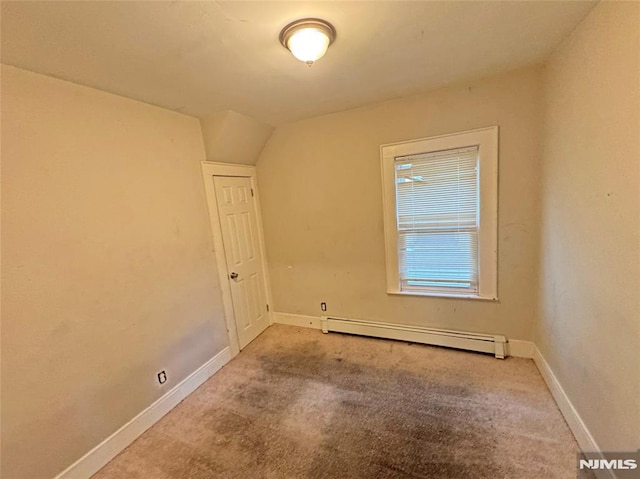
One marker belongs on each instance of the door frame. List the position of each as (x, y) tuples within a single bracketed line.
[(210, 169)]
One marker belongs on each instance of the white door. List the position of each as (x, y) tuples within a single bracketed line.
[(239, 225)]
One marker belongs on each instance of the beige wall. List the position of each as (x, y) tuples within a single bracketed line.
[(107, 270), (320, 189), (230, 137), (589, 328)]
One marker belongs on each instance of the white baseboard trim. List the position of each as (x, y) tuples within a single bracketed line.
[(100, 455), (579, 429), (520, 349), (299, 320)]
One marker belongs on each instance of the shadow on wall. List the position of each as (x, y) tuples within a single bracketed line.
[(231, 137)]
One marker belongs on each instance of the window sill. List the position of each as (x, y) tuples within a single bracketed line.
[(443, 295)]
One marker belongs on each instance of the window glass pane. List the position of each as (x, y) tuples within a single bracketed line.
[(437, 220), (441, 259)]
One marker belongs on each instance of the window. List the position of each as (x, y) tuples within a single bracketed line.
[(440, 212)]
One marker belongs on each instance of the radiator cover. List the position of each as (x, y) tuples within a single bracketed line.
[(485, 343)]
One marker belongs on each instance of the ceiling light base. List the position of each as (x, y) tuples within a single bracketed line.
[(308, 39)]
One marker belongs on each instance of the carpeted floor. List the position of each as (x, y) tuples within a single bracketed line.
[(297, 403)]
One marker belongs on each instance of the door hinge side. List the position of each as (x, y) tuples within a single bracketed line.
[(251, 191), (267, 307)]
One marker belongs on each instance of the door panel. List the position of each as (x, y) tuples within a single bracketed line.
[(238, 221)]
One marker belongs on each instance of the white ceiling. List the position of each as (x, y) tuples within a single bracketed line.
[(203, 57)]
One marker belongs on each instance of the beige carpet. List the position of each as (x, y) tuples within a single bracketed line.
[(297, 403)]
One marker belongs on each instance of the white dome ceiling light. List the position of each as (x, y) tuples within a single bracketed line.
[(308, 39)]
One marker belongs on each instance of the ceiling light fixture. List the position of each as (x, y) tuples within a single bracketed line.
[(308, 39)]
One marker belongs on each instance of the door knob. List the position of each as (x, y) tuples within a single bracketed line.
[(233, 276)]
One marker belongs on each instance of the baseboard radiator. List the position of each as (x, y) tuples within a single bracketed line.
[(484, 343)]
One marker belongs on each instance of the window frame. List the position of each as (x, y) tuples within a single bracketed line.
[(487, 141)]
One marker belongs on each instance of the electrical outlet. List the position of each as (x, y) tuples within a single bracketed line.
[(323, 306), (162, 377)]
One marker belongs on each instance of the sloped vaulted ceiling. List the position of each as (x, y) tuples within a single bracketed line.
[(205, 57)]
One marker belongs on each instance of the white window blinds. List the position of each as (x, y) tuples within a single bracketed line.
[(437, 220)]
